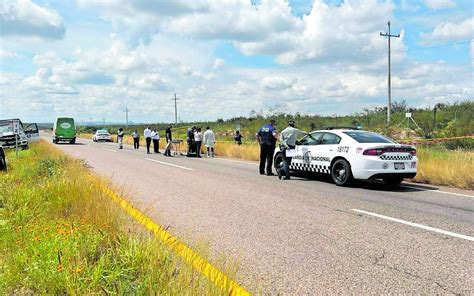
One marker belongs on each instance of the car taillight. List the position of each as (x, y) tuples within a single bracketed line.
[(373, 152)]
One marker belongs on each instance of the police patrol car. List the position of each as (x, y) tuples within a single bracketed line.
[(348, 154)]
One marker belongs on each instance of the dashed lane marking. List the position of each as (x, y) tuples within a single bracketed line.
[(438, 191), (239, 161), (429, 228), (170, 164), (110, 150)]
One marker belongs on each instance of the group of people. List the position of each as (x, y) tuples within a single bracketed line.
[(267, 138), (195, 138)]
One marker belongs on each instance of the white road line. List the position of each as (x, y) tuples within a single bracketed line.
[(437, 230), (109, 150), (170, 164), (439, 191), (246, 162)]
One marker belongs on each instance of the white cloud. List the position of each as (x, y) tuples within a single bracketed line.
[(7, 54), (449, 31), (277, 82), (218, 63), (440, 4), (25, 18)]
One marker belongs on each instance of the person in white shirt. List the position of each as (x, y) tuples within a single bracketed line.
[(155, 136), (198, 140), (209, 141), (147, 135)]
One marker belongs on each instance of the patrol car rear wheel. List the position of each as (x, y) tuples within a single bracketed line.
[(341, 173)]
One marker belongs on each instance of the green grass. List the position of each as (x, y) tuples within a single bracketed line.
[(60, 234)]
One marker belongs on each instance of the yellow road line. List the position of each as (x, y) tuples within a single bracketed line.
[(216, 276)]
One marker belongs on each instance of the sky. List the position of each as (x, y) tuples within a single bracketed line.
[(92, 59)]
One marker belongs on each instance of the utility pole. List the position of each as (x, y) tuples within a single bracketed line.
[(90, 121), (103, 121), (126, 116), (175, 99), (389, 71)]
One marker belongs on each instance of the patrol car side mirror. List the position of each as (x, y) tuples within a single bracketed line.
[(297, 142)]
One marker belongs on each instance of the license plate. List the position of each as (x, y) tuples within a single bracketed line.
[(399, 166)]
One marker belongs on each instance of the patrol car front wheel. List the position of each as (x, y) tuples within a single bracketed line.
[(341, 173), (277, 162)]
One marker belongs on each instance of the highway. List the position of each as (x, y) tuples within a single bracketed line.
[(303, 236)]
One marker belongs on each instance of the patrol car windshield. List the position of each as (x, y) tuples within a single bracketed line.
[(367, 137)]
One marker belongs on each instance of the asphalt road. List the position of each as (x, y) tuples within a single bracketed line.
[(303, 236)]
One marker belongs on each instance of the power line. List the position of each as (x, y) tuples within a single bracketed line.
[(390, 36), (432, 46)]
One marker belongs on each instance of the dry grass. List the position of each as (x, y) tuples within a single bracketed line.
[(446, 167)]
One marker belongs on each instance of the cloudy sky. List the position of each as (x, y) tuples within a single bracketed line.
[(92, 58)]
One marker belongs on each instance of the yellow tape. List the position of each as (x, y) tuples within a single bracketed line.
[(216, 276)]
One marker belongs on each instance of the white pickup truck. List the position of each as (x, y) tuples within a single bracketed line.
[(24, 134)]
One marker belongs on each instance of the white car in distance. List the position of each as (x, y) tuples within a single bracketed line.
[(102, 135), (349, 155)]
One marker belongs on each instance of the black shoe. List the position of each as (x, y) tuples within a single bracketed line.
[(271, 174), (279, 174), (286, 178), (262, 173)]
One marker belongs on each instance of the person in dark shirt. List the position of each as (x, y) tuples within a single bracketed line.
[(267, 136), (238, 137), (169, 138)]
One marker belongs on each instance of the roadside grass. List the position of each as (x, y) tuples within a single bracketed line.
[(437, 166), (62, 235), (440, 166)]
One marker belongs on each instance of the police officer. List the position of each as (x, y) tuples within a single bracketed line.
[(266, 137), (288, 141)]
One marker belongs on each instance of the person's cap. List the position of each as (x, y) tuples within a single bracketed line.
[(291, 122), (272, 120)]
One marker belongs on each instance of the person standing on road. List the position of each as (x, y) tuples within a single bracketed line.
[(288, 141), (147, 135), (136, 139), (266, 137), (198, 139), (209, 141), (155, 136), (120, 134), (169, 140)]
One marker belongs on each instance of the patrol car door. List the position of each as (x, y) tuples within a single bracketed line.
[(327, 150), (301, 160), (32, 132)]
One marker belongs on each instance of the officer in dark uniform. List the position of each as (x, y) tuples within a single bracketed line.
[(266, 137)]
